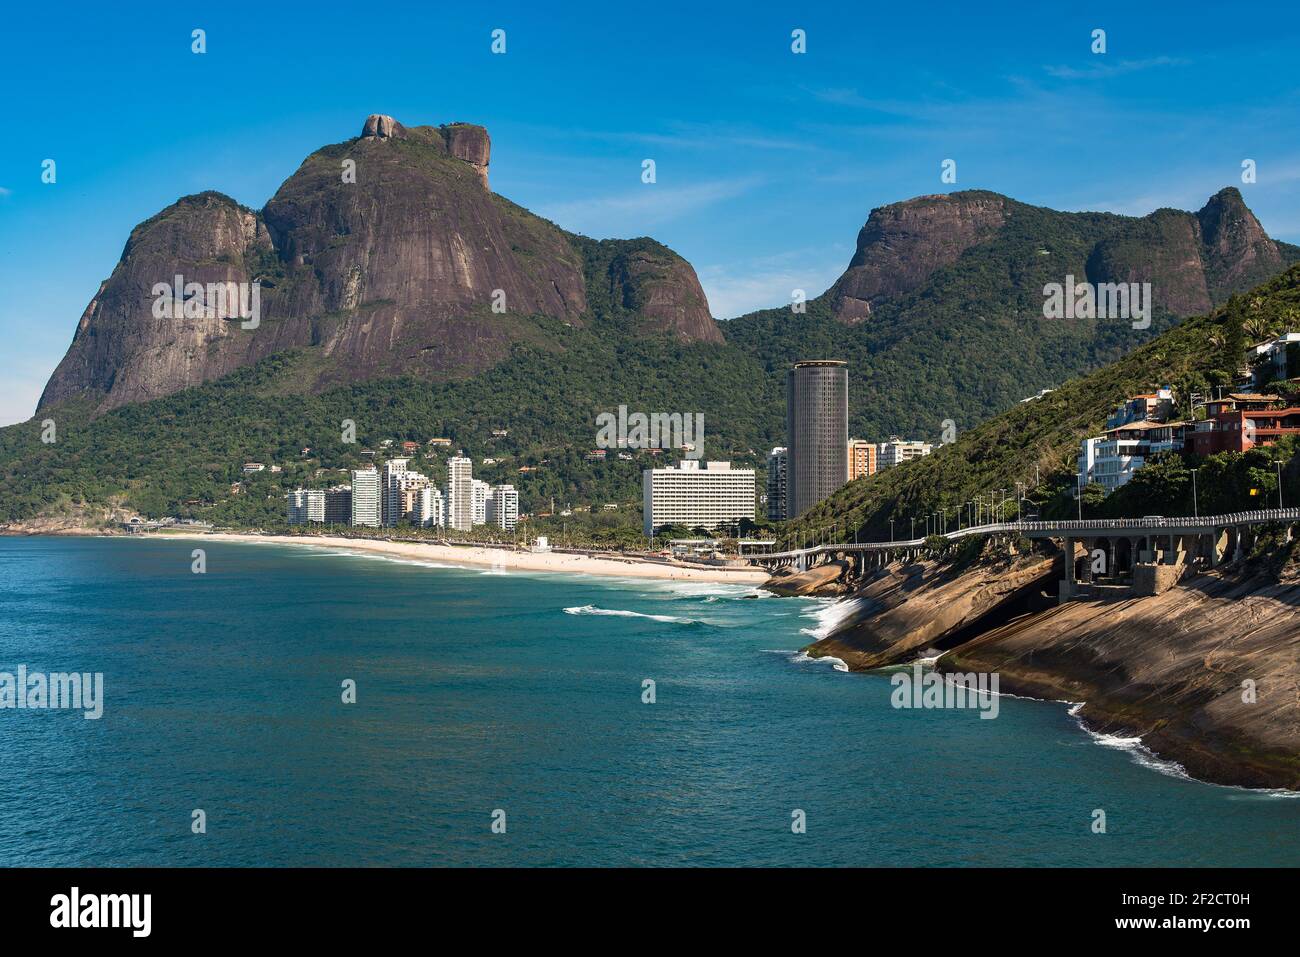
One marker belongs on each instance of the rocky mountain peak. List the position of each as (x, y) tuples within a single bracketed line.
[(383, 127), (902, 244)]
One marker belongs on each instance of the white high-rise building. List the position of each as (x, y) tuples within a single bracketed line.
[(480, 493), (366, 498), (306, 505), (460, 493), (431, 511), (391, 484), (692, 496), (503, 507)]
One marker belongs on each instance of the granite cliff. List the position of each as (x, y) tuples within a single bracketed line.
[(387, 254)]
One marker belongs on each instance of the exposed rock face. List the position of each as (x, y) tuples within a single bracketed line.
[(471, 144), (663, 289), (1193, 261), (121, 348), (1238, 253), (387, 253), (901, 245), (1168, 667)]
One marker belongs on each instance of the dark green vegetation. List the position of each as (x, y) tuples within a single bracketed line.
[(1194, 357)]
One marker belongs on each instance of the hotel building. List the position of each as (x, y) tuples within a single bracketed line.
[(817, 432), (693, 496)]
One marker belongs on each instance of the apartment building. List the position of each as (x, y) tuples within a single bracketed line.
[(366, 498), (778, 470), (897, 451), (862, 458), (503, 507), (460, 493)]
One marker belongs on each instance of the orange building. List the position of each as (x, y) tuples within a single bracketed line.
[(862, 458)]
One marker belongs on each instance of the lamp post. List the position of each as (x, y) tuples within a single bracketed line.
[(1079, 494), (1195, 506), (891, 529), (1278, 463)]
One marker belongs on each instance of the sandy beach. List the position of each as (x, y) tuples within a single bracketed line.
[(500, 558)]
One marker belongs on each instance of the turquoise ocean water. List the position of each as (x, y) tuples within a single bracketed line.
[(479, 692)]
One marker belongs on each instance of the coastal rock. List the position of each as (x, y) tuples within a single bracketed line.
[(1171, 668)]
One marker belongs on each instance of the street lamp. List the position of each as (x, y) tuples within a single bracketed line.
[(1278, 463), (1195, 506), (891, 529)]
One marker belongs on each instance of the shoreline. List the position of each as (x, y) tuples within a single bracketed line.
[(498, 558)]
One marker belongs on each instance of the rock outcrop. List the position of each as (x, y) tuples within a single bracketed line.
[(386, 253), (1193, 261), (1173, 668), (902, 244)]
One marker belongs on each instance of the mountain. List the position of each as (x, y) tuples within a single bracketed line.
[(384, 254), (1192, 260), (940, 313)]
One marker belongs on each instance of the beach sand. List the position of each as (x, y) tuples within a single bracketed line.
[(500, 558)]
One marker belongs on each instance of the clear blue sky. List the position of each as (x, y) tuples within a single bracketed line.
[(768, 162)]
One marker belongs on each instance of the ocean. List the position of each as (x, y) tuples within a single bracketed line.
[(500, 720)]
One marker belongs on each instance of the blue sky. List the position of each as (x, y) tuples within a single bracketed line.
[(767, 162)]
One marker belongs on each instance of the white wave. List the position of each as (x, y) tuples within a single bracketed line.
[(830, 614), (802, 658), (621, 613)]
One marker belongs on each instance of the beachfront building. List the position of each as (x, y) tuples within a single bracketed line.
[(862, 458), (503, 507), (338, 505), (460, 493), (897, 451), (429, 509), (817, 432), (391, 484), (689, 495), (305, 505), (480, 492), (778, 471), (366, 497)]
